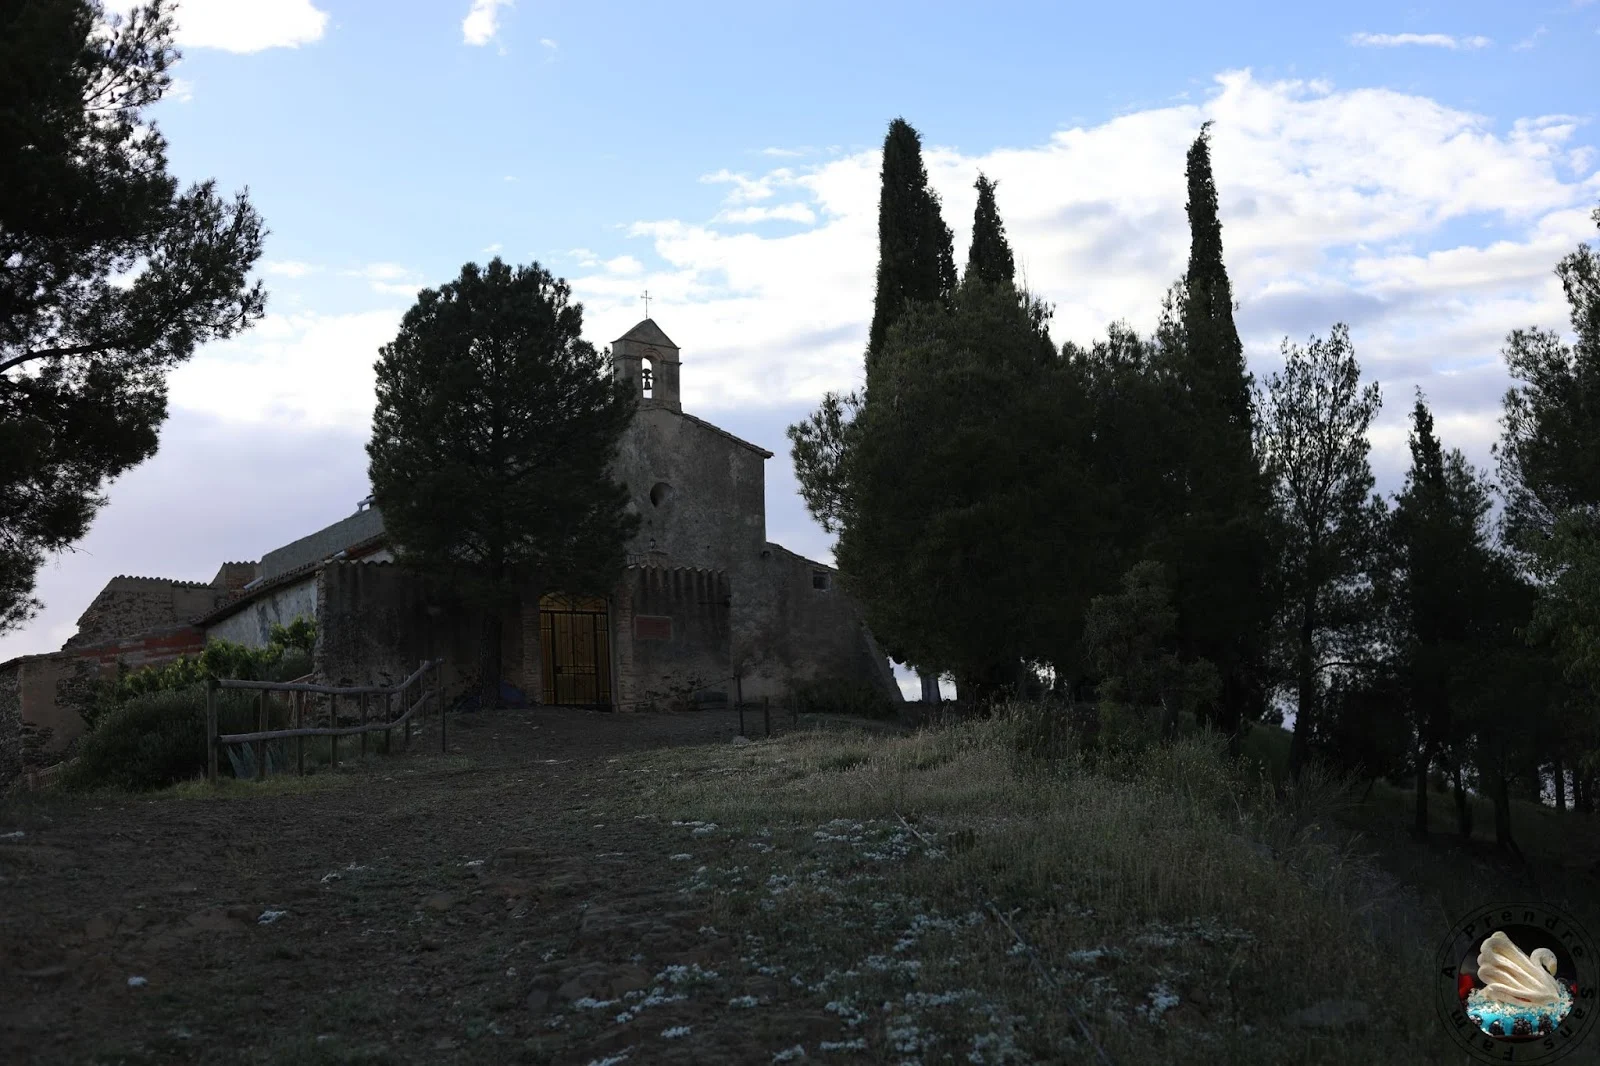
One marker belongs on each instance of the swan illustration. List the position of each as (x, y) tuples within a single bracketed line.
[(1511, 977)]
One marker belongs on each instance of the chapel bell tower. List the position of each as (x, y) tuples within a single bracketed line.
[(647, 357)]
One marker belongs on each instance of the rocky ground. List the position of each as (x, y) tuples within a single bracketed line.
[(429, 907)]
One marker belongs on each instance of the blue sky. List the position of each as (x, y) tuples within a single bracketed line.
[(1414, 171)]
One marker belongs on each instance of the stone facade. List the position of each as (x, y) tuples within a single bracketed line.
[(671, 638), (701, 495), (707, 604), (50, 693), (129, 606), (376, 624)]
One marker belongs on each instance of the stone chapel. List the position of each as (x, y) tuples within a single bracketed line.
[(707, 609)]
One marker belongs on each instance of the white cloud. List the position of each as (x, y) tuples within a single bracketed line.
[(780, 213), (288, 268), (181, 90), (548, 43), (483, 21), (1431, 40), (1529, 41), (389, 279), (785, 153), (624, 265), (239, 26), (492, 249), (746, 189), (296, 368)]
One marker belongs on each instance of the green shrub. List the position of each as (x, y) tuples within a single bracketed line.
[(286, 656), (154, 740), (854, 698)]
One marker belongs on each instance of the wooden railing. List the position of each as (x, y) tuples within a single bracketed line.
[(298, 694)]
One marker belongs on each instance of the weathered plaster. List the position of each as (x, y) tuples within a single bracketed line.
[(251, 625)]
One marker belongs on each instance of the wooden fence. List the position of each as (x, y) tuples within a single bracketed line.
[(298, 694)]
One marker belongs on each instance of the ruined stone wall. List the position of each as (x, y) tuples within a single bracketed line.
[(795, 632), (10, 722), (129, 606), (671, 637), (251, 625), (55, 690), (376, 623)]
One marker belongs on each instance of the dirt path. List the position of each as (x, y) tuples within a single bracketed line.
[(461, 908)]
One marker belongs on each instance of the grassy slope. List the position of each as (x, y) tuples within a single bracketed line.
[(1187, 916)]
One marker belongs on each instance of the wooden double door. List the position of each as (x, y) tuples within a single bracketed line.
[(575, 646)]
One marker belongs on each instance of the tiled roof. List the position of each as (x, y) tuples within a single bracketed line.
[(245, 596)]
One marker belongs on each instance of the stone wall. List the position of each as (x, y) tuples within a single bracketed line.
[(129, 606), (797, 632), (251, 623), (10, 722), (53, 691), (231, 577), (671, 637), (376, 623)]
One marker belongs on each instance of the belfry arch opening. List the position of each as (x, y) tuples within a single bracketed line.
[(647, 378)]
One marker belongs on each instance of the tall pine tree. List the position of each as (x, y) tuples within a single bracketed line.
[(493, 440), (1316, 417), (1439, 547), (989, 256), (1217, 546)]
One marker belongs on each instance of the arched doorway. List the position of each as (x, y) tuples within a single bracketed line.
[(575, 650)]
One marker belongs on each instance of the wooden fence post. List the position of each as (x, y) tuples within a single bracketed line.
[(211, 730), (363, 725), (738, 699), (333, 723), (261, 725), (405, 742), (444, 747), (794, 709), (299, 742), (766, 714)]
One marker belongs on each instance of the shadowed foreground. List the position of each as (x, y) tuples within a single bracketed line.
[(569, 887)]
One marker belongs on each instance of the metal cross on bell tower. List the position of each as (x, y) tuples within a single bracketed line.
[(646, 298)]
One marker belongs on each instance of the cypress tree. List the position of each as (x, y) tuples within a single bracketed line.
[(1217, 548), (1219, 383), (989, 257), (916, 256)]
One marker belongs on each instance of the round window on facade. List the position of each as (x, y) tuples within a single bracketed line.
[(660, 494)]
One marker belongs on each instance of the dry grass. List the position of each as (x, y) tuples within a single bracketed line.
[(1182, 910)]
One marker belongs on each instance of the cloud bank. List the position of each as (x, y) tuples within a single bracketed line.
[(237, 26), (1429, 229), (1428, 40)]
